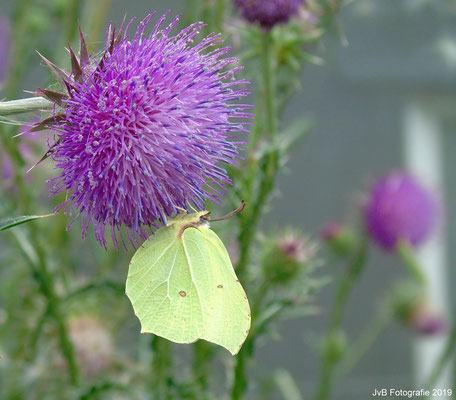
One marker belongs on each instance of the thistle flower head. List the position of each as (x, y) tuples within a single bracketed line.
[(332, 230), (28, 148), (412, 308), (426, 321), (295, 246), (399, 208), (144, 130), (268, 13), (287, 254), (341, 238)]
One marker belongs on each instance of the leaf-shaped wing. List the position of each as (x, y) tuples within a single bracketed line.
[(225, 306), (161, 289), (183, 287)]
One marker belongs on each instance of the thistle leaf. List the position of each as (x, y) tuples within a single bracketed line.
[(10, 222)]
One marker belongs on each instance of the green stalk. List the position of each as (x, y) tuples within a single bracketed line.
[(43, 276), (202, 355), (161, 367), (373, 330), (329, 360), (250, 220), (45, 279), (444, 359), (269, 85), (20, 42), (38, 264), (25, 105), (97, 15), (220, 8), (240, 371), (240, 379), (407, 256)]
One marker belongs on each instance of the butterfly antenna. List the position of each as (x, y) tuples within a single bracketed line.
[(232, 213)]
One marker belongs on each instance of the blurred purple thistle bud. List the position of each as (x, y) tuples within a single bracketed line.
[(412, 308), (7, 168), (295, 247), (332, 230), (426, 321), (268, 13), (289, 252), (399, 208), (340, 238)]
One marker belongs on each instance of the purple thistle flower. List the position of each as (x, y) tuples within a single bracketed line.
[(332, 231), (268, 13), (428, 322), (295, 247), (7, 168), (145, 129), (399, 208), (5, 48), (28, 149)]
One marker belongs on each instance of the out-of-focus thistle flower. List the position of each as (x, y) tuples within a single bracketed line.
[(399, 208), (92, 344), (28, 148), (427, 321), (412, 308), (268, 13), (295, 246), (339, 237), (5, 49), (289, 252), (142, 131)]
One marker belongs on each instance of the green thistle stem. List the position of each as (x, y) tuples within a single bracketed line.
[(220, 7), (46, 282), (329, 360), (38, 263), (373, 330), (444, 359), (269, 85), (25, 105), (250, 220), (203, 353), (40, 272), (407, 256), (161, 367)]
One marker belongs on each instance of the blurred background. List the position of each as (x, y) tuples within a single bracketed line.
[(384, 98)]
